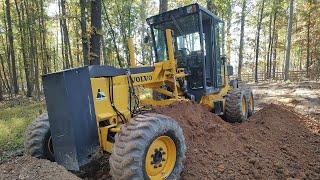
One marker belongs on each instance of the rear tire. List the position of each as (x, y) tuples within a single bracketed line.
[(236, 109), (38, 142), (135, 141)]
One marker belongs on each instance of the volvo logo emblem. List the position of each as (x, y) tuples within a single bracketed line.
[(142, 78)]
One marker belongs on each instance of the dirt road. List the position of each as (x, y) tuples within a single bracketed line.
[(303, 97)]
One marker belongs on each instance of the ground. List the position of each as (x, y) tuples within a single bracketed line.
[(303, 97), (277, 142), (15, 116)]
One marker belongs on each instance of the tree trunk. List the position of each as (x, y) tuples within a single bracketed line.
[(288, 46), (210, 6), (76, 42), (113, 36), (274, 56), (64, 55), (85, 48), (36, 70), (56, 52), (78, 49), (45, 55), (229, 39), (308, 43), (5, 81), (30, 41), (66, 40), (258, 41), (1, 91), (163, 6), (20, 75), (96, 34), (11, 47), (7, 51), (243, 12), (104, 52), (1, 88), (143, 30), (269, 46), (33, 48), (2, 82), (23, 48), (273, 38)]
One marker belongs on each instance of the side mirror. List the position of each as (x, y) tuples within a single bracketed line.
[(146, 39), (229, 70)]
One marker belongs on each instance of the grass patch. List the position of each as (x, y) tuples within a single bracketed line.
[(13, 123)]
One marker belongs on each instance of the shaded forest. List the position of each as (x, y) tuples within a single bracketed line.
[(39, 37)]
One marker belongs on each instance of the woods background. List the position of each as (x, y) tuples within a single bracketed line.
[(43, 36)]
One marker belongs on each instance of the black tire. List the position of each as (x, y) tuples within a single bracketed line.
[(38, 139), (129, 151), (250, 100), (234, 105)]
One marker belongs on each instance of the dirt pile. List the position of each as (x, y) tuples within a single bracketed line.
[(30, 168), (274, 143)]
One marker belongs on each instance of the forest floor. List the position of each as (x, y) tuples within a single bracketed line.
[(303, 97), (15, 116), (281, 140)]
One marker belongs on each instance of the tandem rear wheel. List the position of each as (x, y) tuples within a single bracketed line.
[(38, 141), (236, 107)]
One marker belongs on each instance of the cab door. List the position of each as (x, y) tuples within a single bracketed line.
[(217, 51)]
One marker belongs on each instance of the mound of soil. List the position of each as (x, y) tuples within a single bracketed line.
[(30, 168), (274, 143)]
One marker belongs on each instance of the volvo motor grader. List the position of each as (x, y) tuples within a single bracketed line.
[(98, 107)]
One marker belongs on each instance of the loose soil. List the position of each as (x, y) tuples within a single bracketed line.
[(30, 168), (275, 143), (303, 97)]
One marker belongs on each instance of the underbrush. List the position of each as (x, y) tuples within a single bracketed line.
[(15, 116)]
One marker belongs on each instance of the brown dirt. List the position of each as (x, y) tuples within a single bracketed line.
[(30, 168), (275, 143)]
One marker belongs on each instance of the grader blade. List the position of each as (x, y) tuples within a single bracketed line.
[(71, 115)]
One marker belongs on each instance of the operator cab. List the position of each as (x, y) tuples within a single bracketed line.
[(197, 39)]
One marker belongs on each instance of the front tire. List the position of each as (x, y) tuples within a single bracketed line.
[(236, 109), (38, 141), (150, 146)]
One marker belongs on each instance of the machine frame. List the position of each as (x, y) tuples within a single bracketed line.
[(165, 72), (90, 107)]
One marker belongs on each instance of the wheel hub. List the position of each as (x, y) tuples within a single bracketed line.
[(50, 146), (160, 158), (251, 102), (243, 106)]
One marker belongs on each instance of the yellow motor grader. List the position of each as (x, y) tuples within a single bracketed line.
[(98, 107)]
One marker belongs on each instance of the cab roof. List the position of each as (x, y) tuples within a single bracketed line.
[(180, 12)]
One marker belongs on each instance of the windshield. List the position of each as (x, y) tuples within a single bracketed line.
[(185, 36), (189, 42)]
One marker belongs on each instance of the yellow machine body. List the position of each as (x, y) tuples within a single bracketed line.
[(165, 73)]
